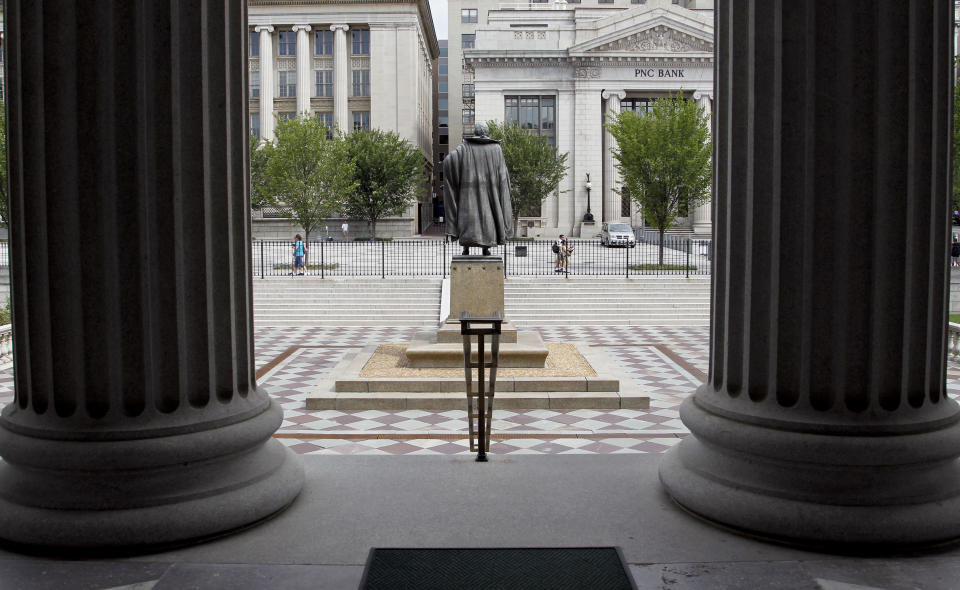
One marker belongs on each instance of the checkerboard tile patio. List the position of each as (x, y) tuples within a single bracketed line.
[(666, 362)]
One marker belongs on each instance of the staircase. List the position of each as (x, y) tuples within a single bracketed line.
[(308, 301), (595, 301)]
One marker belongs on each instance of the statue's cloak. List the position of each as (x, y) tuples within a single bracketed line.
[(476, 194)]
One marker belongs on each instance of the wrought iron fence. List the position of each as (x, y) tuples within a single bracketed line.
[(431, 257)]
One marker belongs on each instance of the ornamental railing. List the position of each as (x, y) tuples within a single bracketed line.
[(432, 257)]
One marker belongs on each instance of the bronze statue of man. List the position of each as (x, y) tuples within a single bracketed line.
[(476, 193)]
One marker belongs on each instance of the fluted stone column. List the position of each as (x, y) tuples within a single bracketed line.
[(341, 77), (267, 82), (825, 417), (304, 69), (137, 419), (611, 176), (702, 215)]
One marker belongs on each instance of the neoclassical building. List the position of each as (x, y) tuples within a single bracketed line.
[(559, 69), (360, 64)]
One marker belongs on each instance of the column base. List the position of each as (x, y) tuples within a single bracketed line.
[(156, 506), (817, 489)]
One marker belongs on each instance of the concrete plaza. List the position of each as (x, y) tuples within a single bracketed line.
[(570, 478)]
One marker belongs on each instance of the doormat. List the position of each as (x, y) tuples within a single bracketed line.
[(593, 568)]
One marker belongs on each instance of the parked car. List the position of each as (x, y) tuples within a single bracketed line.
[(617, 234)]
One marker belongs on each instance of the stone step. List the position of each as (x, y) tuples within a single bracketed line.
[(546, 400)]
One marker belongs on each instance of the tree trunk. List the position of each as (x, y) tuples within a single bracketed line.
[(306, 252), (373, 224), (662, 231)]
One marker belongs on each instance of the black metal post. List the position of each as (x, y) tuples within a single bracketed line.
[(383, 260), (688, 257), (322, 261), (481, 403), (261, 259)]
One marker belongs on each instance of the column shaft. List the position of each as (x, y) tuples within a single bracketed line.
[(267, 82), (702, 215), (341, 77), (825, 417), (137, 419), (304, 69), (611, 176)]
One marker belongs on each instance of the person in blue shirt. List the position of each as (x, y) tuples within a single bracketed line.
[(299, 250)]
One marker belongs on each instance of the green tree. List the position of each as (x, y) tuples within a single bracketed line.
[(307, 173), (664, 157), (389, 175), (955, 200), (259, 156), (536, 167), (4, 211)]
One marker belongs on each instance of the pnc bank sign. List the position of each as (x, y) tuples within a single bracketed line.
[(659, 72)]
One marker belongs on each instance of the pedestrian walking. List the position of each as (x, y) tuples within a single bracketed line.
[(299, 252), (955, 251), (343, 228)]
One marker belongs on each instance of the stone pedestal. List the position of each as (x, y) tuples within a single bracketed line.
[(825, 418), (476, 286), (137, 419)]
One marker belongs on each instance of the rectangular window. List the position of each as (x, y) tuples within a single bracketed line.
[(468, 15), (604, 1), (254, 44), (444, 139), (443, 104), (286, 116), (444, 70), (443, 52), (444, 121), (326, 119), (442, 87), (468, 115), (254, 84), (255, 125), (323, 83), (361, 83), (468, 90), (288, 43), (323, 43), (640, 106), (361, 42), (288, 84), (535, 114), (361, 120), (468, 41)]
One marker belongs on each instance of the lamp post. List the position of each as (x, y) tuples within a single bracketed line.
[(588, 216)]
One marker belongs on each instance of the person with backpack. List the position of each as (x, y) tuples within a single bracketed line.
[(955, 252), (562, 251), (299, 251)]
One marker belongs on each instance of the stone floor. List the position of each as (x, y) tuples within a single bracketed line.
[(668, 363)]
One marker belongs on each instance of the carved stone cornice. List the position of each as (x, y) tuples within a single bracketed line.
[(658, 39), (298, 28), (343, 28)]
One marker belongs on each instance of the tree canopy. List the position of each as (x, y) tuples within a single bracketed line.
[(536, 167), (4, 211), (308, 173), (388, 175), (259, 155), (664, 157)]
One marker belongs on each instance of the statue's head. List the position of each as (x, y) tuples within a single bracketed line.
[(481, 130)]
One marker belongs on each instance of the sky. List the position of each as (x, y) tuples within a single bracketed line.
[(439, 10)]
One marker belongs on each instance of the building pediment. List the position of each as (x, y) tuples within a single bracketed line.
[(658, 40), (647, 32)]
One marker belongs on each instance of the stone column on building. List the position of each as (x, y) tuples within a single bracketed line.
[(304, 69), (611, 176), (137, 419), (702, 216), (825, 417), (267, 122), (341, 77)]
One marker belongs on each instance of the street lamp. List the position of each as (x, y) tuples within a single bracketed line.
[(588, 216)]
